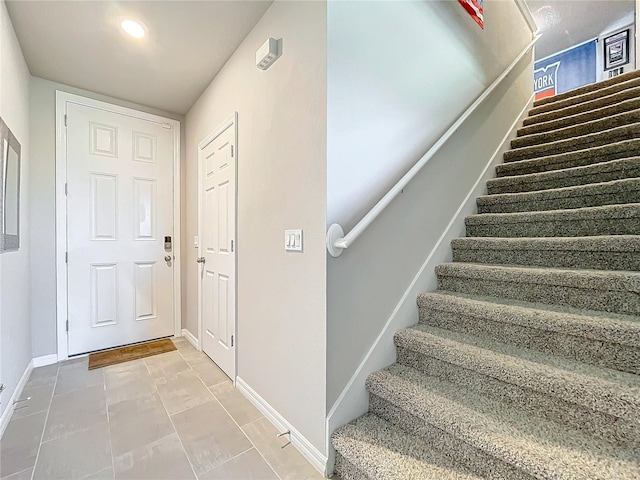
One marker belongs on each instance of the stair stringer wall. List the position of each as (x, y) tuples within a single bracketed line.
[(401, 249)]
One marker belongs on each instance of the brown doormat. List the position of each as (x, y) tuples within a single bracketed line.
[(132, 352)]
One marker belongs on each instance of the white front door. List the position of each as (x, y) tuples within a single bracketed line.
[(119, 211), (217, 252)]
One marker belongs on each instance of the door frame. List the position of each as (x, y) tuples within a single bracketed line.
[(62, 98), (231, 120)]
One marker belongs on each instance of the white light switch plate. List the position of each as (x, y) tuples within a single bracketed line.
[(293, 240)]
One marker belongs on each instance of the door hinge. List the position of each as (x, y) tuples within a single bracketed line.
[(232, 340), (232, 150), (66, 257), (65, 120), (232, 245), (67, 324), (66, 189)]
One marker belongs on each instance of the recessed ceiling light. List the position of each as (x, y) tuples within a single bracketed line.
[(133, 28)]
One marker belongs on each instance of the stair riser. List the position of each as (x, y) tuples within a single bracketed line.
[(631, 103), (601, 260), (570, 160), (624, 302), (575, 144), (560, 102), (579, 130), (564, 203), (612, 197), (556, 228), (345, 469), (583, 178), (459, 451), (533, 403), (580, 348)]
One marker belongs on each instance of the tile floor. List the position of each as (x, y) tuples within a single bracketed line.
[(171, 416)]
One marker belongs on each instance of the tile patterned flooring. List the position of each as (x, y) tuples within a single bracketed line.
[(172, 416)]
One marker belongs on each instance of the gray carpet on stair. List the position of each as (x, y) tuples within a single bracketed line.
[(568, 177), (595, 338), (583, 142), (539, 447), (575, 108), (624, 102), (592, 195), (578, 158), (606, 252), (525, 363), (586, 93), (572, 131), (377, 449)]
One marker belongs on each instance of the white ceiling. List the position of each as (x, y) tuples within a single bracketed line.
[(565, 23), (80, 43)]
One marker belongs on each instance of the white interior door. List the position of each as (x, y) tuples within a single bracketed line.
[(217, 252), (119, 210)]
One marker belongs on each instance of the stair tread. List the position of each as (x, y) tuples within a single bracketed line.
[(378, 449), (537, 446), (593, 324), (604, 243), (620, 149), (627, 210), (578, 143), (620, 280), (572, 172), (594, 90), (629, 101), (568, 109), (526, 365), (601, 188), (579, 129)]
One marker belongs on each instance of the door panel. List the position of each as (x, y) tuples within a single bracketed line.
[(119, 208), (217, 225)]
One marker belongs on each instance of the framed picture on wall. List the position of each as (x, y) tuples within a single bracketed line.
[(616, 50), (9, 190)]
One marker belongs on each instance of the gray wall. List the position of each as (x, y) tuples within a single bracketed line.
[(281, 185), (43, 194), (15, 324), (399, 73), (447, 61)]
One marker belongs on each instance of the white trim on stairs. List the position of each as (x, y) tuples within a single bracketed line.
[(190, 337), (8, 412), (311, 453), (353, 400)]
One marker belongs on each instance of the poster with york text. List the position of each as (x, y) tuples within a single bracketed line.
[(565, 71)]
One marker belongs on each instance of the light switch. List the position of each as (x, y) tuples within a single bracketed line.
[(293, 240)]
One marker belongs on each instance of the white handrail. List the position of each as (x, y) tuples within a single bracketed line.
[(337, 241)]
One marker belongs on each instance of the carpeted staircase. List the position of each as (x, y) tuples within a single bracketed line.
[(526, 360)]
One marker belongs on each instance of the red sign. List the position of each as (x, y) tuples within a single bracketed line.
[(475, 9)]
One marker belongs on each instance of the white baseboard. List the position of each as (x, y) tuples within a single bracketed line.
[(8, 412), (190, 338), (45, 360), (311, 453)]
